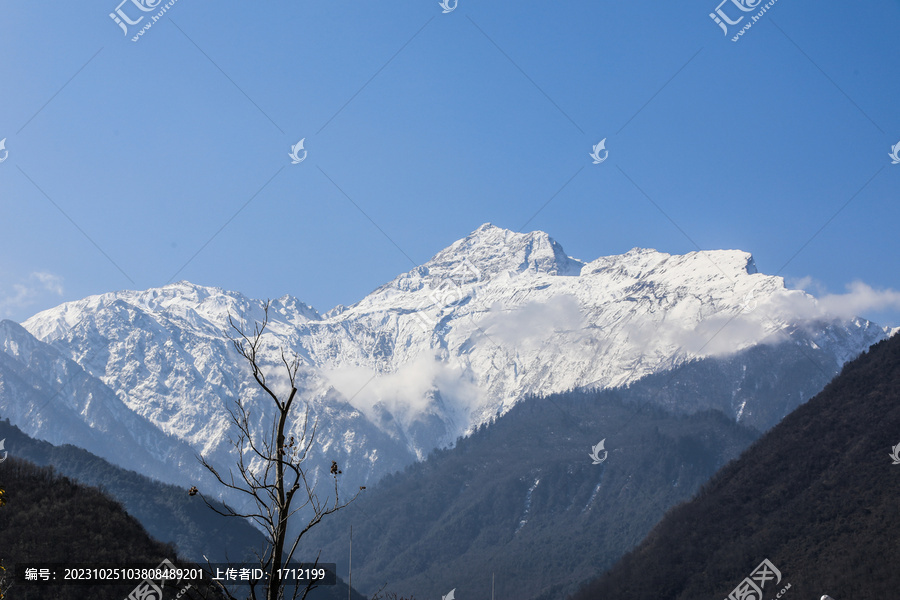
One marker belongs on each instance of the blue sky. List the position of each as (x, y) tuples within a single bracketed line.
[(133, 164)]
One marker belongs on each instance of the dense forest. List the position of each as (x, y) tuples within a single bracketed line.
[(521, 499), (49, 517), (165, 510), (816, 496)]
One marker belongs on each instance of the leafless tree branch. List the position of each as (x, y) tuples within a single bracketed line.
[(281, 471)]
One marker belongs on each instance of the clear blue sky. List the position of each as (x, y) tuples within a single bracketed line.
[(432, 124)]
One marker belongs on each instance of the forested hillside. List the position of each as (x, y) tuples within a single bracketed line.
[(166, 511), (521, 498), (51, 518), (817, 496)]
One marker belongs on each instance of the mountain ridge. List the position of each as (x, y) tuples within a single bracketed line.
[(450, 345)]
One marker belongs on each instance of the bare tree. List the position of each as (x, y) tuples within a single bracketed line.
[(273, 485)]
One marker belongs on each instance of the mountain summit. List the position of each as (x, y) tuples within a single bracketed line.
[(494, 250), (449, 345)]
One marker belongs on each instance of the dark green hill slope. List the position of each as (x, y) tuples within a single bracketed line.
[(166, 511), (817, 496), (522, 499), (51, 517)]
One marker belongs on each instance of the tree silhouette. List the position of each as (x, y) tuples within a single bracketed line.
[(273, 487)]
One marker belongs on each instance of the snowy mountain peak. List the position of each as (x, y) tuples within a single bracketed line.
[(450, 345), (643, 263), (182, 301), (492, 250)]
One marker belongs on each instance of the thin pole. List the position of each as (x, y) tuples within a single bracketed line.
[(350, 582), (492, 586)]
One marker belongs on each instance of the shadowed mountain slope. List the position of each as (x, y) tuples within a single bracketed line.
[(53, 514), (522, 499), (816, 496)]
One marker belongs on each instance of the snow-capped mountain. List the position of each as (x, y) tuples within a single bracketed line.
[(56, 399), (441, 349)]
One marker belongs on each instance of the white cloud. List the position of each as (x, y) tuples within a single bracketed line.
[(860, 298), (716, 335), (52, 283), (532, 323), (809, 284), (787, 306), (24, 294), (405, 393)]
